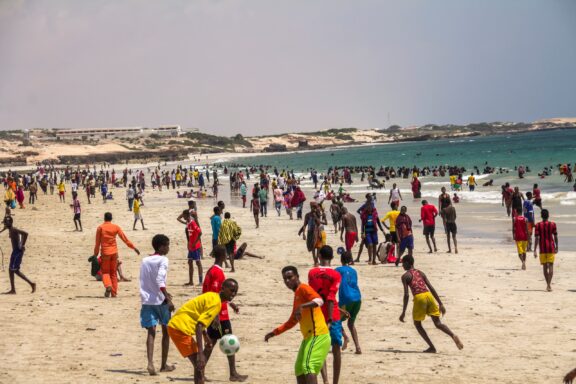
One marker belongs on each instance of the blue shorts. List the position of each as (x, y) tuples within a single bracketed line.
[(371, 238), (336, 332), (194, 255), (16, 259), (151, 315), (407, 242)]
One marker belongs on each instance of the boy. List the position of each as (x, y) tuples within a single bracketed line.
[(546, 238), (62, 191), (349, 296), (404, 230), (213, 283), (520, 234), (326, 282), (194, 250), (187, 325), (137, 213), (156, 301), (18, 239), (449, 215), (528, 209), (428, 213), (229, 233), (316, 338), (426, 302), (76, 206)]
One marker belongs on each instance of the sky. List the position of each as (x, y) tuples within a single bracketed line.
[(260, 67)]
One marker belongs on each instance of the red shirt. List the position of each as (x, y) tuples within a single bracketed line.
[(194, 232), (507, 193), (546, 230), (428, 214), (213, 283), (520, 230), (536, 193), (326, 282)]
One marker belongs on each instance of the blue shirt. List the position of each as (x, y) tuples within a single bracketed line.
[(349, 291), (529, 211), (216, 222)]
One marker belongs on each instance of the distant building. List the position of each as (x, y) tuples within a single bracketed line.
[(111, 133)]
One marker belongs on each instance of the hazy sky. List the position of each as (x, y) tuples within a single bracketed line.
[(266, 66)]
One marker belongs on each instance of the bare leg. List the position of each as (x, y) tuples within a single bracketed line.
[(165, 346), (324, 373), (428, 243), (234, 375), (198, 373), (455, 243), (422, 332), (448, 239), (434, 243), (190, 272), (444, 328), (150, 350), (142, 221), (231, 257), (200, 272), (354, 334), (337, 354), (23, 277)]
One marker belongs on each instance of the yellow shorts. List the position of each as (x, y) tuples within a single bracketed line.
[(424, 304), (522, 246), (547, 258), (321, 240)]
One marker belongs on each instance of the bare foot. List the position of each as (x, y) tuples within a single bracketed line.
[(33, 285), (448, 251), (435, 250), (167, 368), (549, 288), (523, 266), (345, 344), (108, 292), (188, 284), (358, 351), (458, 342), (238, 377), (10, 292), (151, 370), (134, 229), (124, 280), (430, 251), (456, 251), (430, 350)]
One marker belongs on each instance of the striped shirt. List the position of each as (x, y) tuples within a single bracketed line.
[(545, 231), (228, 231)]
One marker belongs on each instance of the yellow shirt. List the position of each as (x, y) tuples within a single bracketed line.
[(61, 187), (136, 206), (471, 180), (452, 180), (391, 215), (201, 309)]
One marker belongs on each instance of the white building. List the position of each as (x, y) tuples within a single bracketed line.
[(108, 133)]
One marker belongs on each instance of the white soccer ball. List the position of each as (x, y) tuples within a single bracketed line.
[(229, 345)]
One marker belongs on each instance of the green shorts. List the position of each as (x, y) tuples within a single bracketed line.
[(353, 309), (311, 355)]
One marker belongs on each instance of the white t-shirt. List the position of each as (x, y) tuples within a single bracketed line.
[(395, 194), (153, 273)]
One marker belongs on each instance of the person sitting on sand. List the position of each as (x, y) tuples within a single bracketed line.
[(426, 302)]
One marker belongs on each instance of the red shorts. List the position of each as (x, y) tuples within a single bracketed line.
[(350, 240)]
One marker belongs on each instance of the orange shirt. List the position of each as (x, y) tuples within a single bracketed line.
[(106, 239), (312, 322)]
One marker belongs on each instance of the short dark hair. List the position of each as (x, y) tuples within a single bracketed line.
[(219, 252), (290, 268), (326, 252), (545, 214), (408, 261), (346, 257), (108, 216), (159, 240), (216, 210), (227, 215), (529, 195), (229, 282)]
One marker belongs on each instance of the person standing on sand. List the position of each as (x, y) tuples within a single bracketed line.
[(404, 231), (443, 201), (395, 195), (507, 193), (230, 232), (18, 239), (213, 281), (426, 302), (370, 225), (537, 196), (349, 296), (194, 250), (546, 240), (156, 301), (306, 310), (137, 212), (428, 214), (520, 235), (449, 214), (77, 211), (106, 246), (349, 229)]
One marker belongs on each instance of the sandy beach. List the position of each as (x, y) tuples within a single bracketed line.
[(512, 329)]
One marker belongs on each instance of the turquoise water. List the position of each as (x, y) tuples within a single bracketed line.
[(534, 149)]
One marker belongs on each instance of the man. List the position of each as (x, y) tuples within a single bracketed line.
[(230, 232), (528, 210), (18, 239), (443, 201), (326, 281), (404, 230), (370, 225), (312, 222), (278, 199), (130, 197), (316, 338), (537, 196), (546, 239), (216, 223), (471, 182), (106, 246), (213, 283), (507, 193), (428, 214), (194, 250), (137, 212), (395, 195), (263, 197), (349, 229), (449, 214), (426, 302), (335, 213), (156, 301), (520, 235), (77, 211), (187, 325), (391, 216)]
